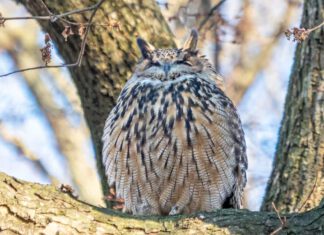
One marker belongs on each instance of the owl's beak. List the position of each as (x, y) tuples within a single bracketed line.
[(166, 68)]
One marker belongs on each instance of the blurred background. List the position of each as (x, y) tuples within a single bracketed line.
[(43, 134)]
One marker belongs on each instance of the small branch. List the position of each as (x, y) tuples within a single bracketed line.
[(87, 31), (39, 67), (309, 195), (283, 222), (51, 17), (196, 15), (316, 27), (80, 56), (210, 14), (277, 212)]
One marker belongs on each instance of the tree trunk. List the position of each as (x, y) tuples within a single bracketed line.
[(299, 160), (28, 208), (109, 55)]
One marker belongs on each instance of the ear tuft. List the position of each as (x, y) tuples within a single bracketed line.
[(145, 48), (191, 43)]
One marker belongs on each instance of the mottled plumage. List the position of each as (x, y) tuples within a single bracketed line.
[(174, 142)]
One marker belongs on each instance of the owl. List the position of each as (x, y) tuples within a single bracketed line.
[(174, 143)]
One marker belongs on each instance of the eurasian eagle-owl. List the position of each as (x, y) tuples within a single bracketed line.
[(174, 142)]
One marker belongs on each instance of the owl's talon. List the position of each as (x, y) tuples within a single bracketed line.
[(118, 203), (112, 191), (118, 207)]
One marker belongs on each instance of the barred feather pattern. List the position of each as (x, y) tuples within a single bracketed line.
[(175, 146)]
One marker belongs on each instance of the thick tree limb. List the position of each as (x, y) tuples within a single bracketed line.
[(29, 208)]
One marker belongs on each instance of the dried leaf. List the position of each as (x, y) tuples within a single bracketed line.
[(67, 32), (298, 34), (46, 50), (81, 30)]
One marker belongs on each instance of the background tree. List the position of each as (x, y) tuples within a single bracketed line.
[(298, 171)]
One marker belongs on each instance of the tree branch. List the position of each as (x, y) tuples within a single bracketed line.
[(27, 208), (51, 17), (210, 14)]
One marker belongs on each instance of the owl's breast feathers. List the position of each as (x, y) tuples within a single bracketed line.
[(175, 147)]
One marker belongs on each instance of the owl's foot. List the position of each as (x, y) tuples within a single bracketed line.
[(117, 203)]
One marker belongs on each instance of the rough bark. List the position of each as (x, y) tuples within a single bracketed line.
[(29, 208), (109, 54), (299, 159)]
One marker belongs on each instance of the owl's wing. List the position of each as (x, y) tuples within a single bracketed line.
[(211, 140), (224, 144)]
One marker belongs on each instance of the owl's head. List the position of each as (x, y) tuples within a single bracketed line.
[(169, 64)]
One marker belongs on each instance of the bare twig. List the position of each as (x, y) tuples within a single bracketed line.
[(210, 14), (283, 222), (39, 67), (51, 17), (316, 27), (197, 15), (309, 195), (80, 56), (78, 62)]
